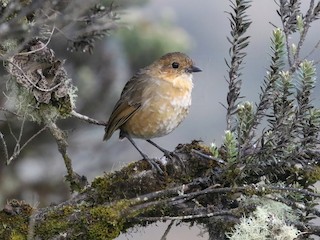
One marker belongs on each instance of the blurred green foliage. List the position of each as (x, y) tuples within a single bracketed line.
[(144, 41)]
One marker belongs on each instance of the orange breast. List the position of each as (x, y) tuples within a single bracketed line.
[(161, 113)]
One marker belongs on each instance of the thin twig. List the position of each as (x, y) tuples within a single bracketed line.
[(165, 234), (41, 48), (5, 148), (8, 111), (21, 131), (87, 119), (143, 202), (11, 132), (313, 50), (63, 34), (207, 156), (188, 217), (18, 151)]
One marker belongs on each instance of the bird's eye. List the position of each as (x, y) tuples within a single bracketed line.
[(175, 65)]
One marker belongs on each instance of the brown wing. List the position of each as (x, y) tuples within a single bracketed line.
[(128, 104)]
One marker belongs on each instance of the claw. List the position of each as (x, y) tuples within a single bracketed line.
[(154, 165), (172, 155)]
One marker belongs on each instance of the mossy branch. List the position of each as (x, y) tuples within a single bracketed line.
[(117, 201)]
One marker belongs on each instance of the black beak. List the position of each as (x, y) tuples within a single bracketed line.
[(193, 69)]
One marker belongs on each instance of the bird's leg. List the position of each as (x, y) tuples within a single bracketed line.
[(166, 152), (153, 164)]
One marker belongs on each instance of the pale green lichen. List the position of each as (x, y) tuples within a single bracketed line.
[(25, 105), (9, 44), (264, 224), (282, 211), (39, 88)]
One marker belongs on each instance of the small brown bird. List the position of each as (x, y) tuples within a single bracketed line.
[(154, 101)]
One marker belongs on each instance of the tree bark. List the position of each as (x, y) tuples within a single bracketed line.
[(116, 201)]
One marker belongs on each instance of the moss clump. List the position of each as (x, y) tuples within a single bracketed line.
[(101, 222), (56, 222), (196, 168), (14, 220), (51, 227), (125, 184), (312, 175), (108, 222)]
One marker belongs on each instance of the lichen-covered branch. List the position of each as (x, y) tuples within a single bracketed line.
[(76, 181), (136, 195)]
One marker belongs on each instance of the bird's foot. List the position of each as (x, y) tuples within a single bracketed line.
[(154, 165), (174, 157), (171, 155)]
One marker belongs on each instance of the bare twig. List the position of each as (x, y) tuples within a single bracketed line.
[(41, 48), (165, 234), (152, 200), (87, 119), (5, 148), (11, 132), (8, 111), (208, 156), (20, 133), (18, 150), (313, 50), (188, 217)]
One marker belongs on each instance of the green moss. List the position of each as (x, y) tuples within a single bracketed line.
[(100, 222), (197, 168), (126, 184), (14, 220), (17, 236), (107, 222), (13, 227), (312, 175), (111, 186), (51, 227), (55, 222)]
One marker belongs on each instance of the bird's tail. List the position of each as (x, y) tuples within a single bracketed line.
[(106, 135)]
